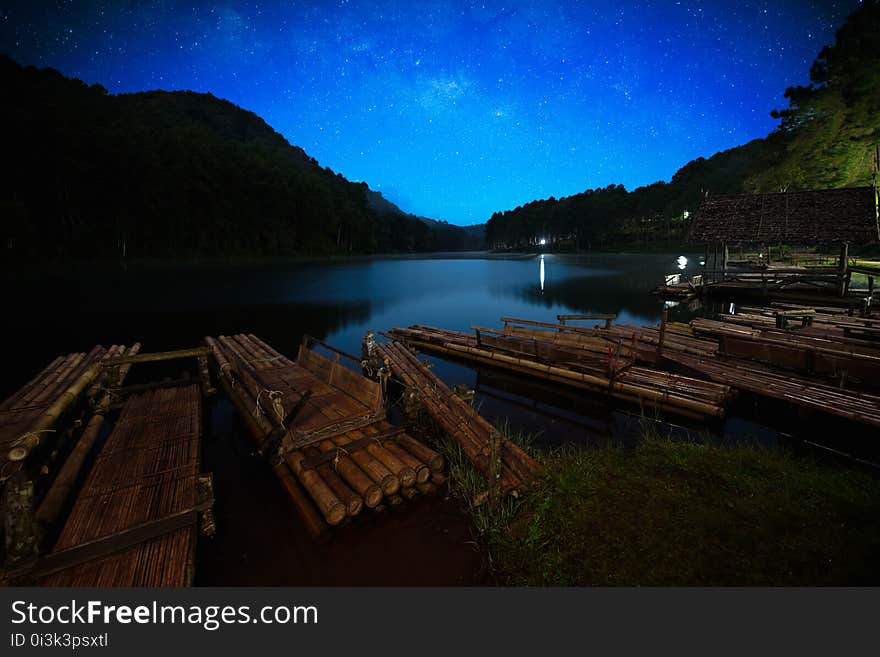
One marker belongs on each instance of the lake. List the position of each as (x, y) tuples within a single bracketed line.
[(169, 307)]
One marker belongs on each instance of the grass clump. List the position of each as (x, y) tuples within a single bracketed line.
[(673, 513), (491, 522)]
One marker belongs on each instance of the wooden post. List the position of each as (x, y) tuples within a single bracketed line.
[(841, 269), (664, 316)]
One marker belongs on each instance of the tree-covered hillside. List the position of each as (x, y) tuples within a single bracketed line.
[(826, 138), (179, 174)]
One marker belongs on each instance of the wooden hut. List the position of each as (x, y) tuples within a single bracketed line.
[(839, 217)]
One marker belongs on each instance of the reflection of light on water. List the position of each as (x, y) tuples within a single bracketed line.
[(542, 273), (682, 262)]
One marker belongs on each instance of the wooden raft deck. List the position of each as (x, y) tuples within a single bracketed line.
[(134, 521), (495, 456), (323, 429)]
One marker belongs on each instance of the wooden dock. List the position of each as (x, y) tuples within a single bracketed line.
[(493, 455), (323, 429), (135, 520)]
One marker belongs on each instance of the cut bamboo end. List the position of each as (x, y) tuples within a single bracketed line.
[(423, 474), (407, 477), (372, 496), (390, 484)]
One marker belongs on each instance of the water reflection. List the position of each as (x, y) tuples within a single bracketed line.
[(172, 307), (542, 273)]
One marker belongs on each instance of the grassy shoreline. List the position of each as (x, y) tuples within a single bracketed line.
[(671, 513)]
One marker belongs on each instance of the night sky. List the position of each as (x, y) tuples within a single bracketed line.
[(455, 109)]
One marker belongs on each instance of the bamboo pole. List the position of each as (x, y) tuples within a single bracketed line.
[(66, 478), (328, 503), (352, 501), (31, 439)]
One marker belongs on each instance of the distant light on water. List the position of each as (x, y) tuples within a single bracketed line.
[(682, 262), (542, 272), (542, 241)]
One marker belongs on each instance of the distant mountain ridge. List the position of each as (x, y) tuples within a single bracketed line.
[(456, 238), (827, 138), (176, 175)]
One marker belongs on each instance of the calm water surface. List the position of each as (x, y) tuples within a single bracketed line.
[(338, 301)]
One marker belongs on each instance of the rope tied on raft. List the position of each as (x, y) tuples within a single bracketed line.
[(226, 369), (340, 452), (275, 397)]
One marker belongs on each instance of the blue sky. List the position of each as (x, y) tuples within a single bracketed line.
[(455, 110)]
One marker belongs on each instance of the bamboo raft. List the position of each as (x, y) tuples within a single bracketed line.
[(765, 381), (135, 519), (324, 431), (498, 459), (599, 360)]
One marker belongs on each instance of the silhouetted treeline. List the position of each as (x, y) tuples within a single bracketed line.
[(176, 174), (826, 139)]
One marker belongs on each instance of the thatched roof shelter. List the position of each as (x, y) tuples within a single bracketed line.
[(820, 216)]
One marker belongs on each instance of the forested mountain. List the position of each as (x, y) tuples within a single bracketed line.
[(827, 138), (175, 174)]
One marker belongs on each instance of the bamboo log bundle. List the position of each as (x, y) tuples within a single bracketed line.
[(334, 511), (36, 409), (63, 484), (856, 406), (258, 428), (353, 502), (460, 421), (353, 474), (345, 468), (434, 460), (388, 482)]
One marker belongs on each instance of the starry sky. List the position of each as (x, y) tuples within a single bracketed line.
[(455, 110)]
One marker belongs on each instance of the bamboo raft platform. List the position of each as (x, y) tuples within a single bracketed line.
[(135, 520), (769, 382), (599, 360), (749, 353), (324, 431), (500, 461)]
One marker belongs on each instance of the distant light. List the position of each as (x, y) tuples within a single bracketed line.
[(682, 262), (542, 241), (686, 214), (702, 262)]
